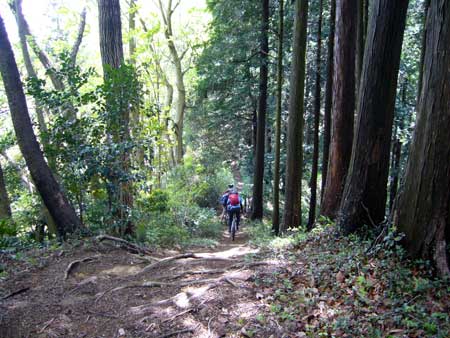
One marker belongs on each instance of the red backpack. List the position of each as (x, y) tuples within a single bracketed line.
[(233, 198)]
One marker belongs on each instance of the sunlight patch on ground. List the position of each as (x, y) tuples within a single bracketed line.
[(240, 250), (122, 270), (182, 300)]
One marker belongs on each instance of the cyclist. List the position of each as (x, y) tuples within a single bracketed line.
[(234, 206), (224, 199)]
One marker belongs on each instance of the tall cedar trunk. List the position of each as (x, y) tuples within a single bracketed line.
[(54, 199), (111, 48), (5, 207), (422, 213), (328, 97), (343, 105), (315, 159), (364, 198), (359, 42), (258, 175), (294, 160), (276, 170), (180, 106), (426, 5), (366, 18)]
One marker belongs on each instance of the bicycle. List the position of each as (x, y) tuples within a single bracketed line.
[(233, 228)]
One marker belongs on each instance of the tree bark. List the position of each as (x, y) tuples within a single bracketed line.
[(422, 213), (315, 159), (5, 206), (359, 42), (258, 175), (276, 170), (111, 48), (55, 200), (364, 197), (294, 160), (426, 5), (110, 29), (343, 105), (328, 98)]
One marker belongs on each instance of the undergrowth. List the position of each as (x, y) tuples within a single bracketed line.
[(332, 287)]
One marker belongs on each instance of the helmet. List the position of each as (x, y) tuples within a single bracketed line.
[(230, 186)]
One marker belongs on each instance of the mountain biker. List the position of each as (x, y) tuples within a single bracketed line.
[(224, 198), (234, 206)]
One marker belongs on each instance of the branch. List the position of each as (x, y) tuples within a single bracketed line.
[(43, 58), (76, 46)]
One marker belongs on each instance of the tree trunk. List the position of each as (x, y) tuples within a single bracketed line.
[(364, 198), (426, 5), (343, 105), (5, 207), (180, 106), (131, 28), (16, 8), (276, 170), (328, 98), (294, 160), (55, 200), (315, 159), (359, 42), (79, 39), (111, 48), (422, 213), (258, 175)]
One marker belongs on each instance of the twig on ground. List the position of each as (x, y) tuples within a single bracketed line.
[(174, 333), (124, 244), (47, 324), (75, 263)]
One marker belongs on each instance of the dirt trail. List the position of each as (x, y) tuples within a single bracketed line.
[(109, 292)]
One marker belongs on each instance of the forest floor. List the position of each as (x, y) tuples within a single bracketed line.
[(319, 286), (94, 289)]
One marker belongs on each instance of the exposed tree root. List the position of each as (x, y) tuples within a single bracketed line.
[(124, 244), (182, 256), (17, 292), (75, 263), (212, 283), (239, 266)]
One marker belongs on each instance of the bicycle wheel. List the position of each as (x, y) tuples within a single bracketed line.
[(233, 229)]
